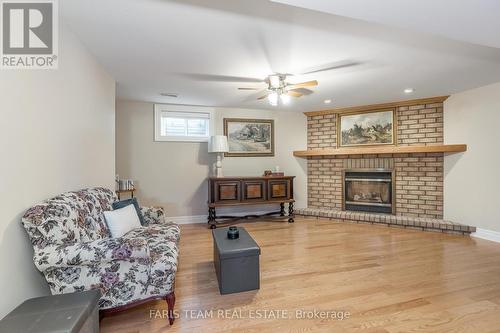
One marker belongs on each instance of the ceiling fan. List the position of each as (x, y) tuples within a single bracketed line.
[(278, 90)]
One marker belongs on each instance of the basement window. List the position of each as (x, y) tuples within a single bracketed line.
[(182, 123)]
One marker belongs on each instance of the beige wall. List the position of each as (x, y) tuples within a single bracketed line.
[(472, 179), (173, 174), (57, 134)]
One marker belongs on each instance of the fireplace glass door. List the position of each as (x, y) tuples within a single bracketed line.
[(369, 191)]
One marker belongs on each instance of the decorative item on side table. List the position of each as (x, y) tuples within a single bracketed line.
[(124, 186), (218, 144), (233, 233), (276, 173), (249, 137), (242, 191)]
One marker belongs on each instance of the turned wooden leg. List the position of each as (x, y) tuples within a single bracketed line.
[(282, 209), (170, 298), (211, 218), (291, 215)]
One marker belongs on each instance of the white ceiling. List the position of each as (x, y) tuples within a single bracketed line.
[(474, 21), (154, 46)]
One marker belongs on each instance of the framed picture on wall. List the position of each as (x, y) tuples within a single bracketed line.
[(367, 128), (249, 137)]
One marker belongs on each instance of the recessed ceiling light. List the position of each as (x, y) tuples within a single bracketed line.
[(409, 90), (328, 101), (174, 95)]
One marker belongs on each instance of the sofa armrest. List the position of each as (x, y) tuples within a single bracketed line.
[(90, 253), (153, 215)]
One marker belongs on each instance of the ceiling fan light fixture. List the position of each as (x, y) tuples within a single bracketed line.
[(285, 99), (273, 98), (274, 81)]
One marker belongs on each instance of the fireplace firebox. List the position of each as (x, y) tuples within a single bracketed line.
[(368, 190)]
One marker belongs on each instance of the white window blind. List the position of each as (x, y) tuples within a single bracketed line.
[(180, 125)]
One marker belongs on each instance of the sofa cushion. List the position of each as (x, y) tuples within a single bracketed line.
[(131, 201), (122, 220), (98, 252)]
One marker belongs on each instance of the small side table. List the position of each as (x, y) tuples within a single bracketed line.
[(119, 192), (66, 313)]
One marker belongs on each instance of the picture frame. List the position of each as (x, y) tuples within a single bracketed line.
[(367, 128), (249, 137)]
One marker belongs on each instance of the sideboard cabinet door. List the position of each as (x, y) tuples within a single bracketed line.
[(279, 189), (254, 190), (227, 191)]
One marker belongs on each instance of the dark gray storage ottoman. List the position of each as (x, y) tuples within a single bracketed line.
[(65, 313), (236, 261)]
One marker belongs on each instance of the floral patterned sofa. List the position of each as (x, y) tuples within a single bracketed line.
[(74, 250)]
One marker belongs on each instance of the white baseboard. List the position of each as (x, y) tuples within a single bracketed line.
[(187, 219), (490, 235), (204, 218)]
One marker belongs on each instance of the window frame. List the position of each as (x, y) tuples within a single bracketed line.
[(160, 108)]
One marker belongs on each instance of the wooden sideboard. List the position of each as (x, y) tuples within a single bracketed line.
[(239, 191)]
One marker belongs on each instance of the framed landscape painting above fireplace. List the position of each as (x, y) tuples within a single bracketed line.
[(249, 137), (367, 128)]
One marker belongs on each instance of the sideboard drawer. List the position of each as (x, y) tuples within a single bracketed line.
[(279, 189), (254, 190), (227, 191)]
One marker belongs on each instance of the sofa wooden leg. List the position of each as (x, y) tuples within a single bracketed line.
[(170, 298)]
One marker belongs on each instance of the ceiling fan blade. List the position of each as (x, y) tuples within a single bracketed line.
[(219, 78), (294, 93), (302, 91), (252, 96), (303, 84), (330, 66), (247, 88)]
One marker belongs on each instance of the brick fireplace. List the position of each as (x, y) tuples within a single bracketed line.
[(418, 177)]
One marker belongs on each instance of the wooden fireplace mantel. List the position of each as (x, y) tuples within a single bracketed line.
[(456, 148)]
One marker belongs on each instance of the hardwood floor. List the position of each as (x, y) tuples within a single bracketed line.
[(388, 279)]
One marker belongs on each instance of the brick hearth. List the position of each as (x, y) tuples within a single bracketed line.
[(409, 222)]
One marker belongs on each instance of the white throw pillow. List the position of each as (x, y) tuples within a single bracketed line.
[(122, 220)]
